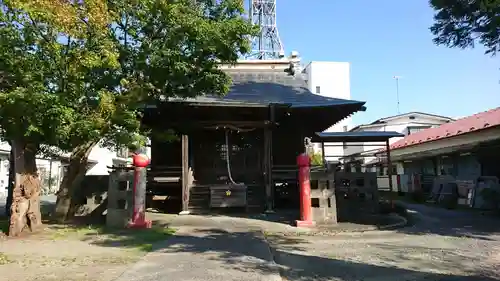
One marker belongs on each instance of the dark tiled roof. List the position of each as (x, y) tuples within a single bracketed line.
[(264, 87), (364, 136), (476, 122)]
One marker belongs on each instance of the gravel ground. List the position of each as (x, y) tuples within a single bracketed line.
[(441, 245)]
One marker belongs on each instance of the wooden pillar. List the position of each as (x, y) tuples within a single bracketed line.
[(323, 153), (186, 178), (389, 167), (268, 160)]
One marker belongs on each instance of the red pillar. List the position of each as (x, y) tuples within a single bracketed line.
[(140, 162), (304, 163)]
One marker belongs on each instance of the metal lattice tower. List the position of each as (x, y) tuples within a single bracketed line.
[(267, 44)]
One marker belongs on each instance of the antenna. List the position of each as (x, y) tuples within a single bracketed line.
[(397, 90), (267, 44)]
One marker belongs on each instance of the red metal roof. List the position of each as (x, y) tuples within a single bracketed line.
[(473, 123)]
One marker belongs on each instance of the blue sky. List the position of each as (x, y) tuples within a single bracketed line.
[(386, 38)]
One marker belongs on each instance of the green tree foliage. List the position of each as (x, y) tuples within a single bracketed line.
[(316, 159), (165, 49), (173, 48), (75, 73), (462, 23), (46, 95)]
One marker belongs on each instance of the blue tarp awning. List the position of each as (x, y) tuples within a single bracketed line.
[(363, 136)]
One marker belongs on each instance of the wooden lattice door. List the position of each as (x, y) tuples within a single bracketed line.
[(210, 154)]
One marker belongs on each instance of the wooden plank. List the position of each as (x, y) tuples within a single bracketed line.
[(221, 197), (167, 179), (160, 198)]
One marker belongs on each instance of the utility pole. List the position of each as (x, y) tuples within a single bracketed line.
[(397, 91)]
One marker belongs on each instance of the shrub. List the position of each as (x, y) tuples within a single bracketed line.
[(316, 159)]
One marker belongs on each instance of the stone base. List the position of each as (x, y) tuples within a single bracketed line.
[(140, 224), (300, 223), (184, 213), (117, 218)]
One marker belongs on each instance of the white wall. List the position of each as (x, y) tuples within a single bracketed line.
[(333, 80), (4, 171), (53, 169), (105, 158), (4, 174), (399, 125)]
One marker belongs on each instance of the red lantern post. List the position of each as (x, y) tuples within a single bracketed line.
[(304, 164), (140, 162)]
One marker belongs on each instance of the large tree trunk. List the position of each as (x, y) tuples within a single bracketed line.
[(11, 183), (71, 181), (25, 208)]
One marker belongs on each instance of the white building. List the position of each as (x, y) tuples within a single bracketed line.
[(331, 79), (51, 170), (406, 124)]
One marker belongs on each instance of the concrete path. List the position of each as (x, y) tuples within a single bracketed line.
[(208, 249)]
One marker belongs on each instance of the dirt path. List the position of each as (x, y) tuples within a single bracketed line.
[(62, 260), (74, 254)]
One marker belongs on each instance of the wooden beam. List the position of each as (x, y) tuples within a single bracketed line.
[(217, 123), (389, 170), (323, 156), (268, 150), (186, 175), (267, 168)]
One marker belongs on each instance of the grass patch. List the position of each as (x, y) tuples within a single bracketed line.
[(135, 239), (57, 232), (4, 259)]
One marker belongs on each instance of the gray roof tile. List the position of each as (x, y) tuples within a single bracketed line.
[(264, 87)]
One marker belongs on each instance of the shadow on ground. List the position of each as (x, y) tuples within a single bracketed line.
[(287, 218), (425, 220), (300, 267), (98, 234), (226, 248), (234, 251)]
